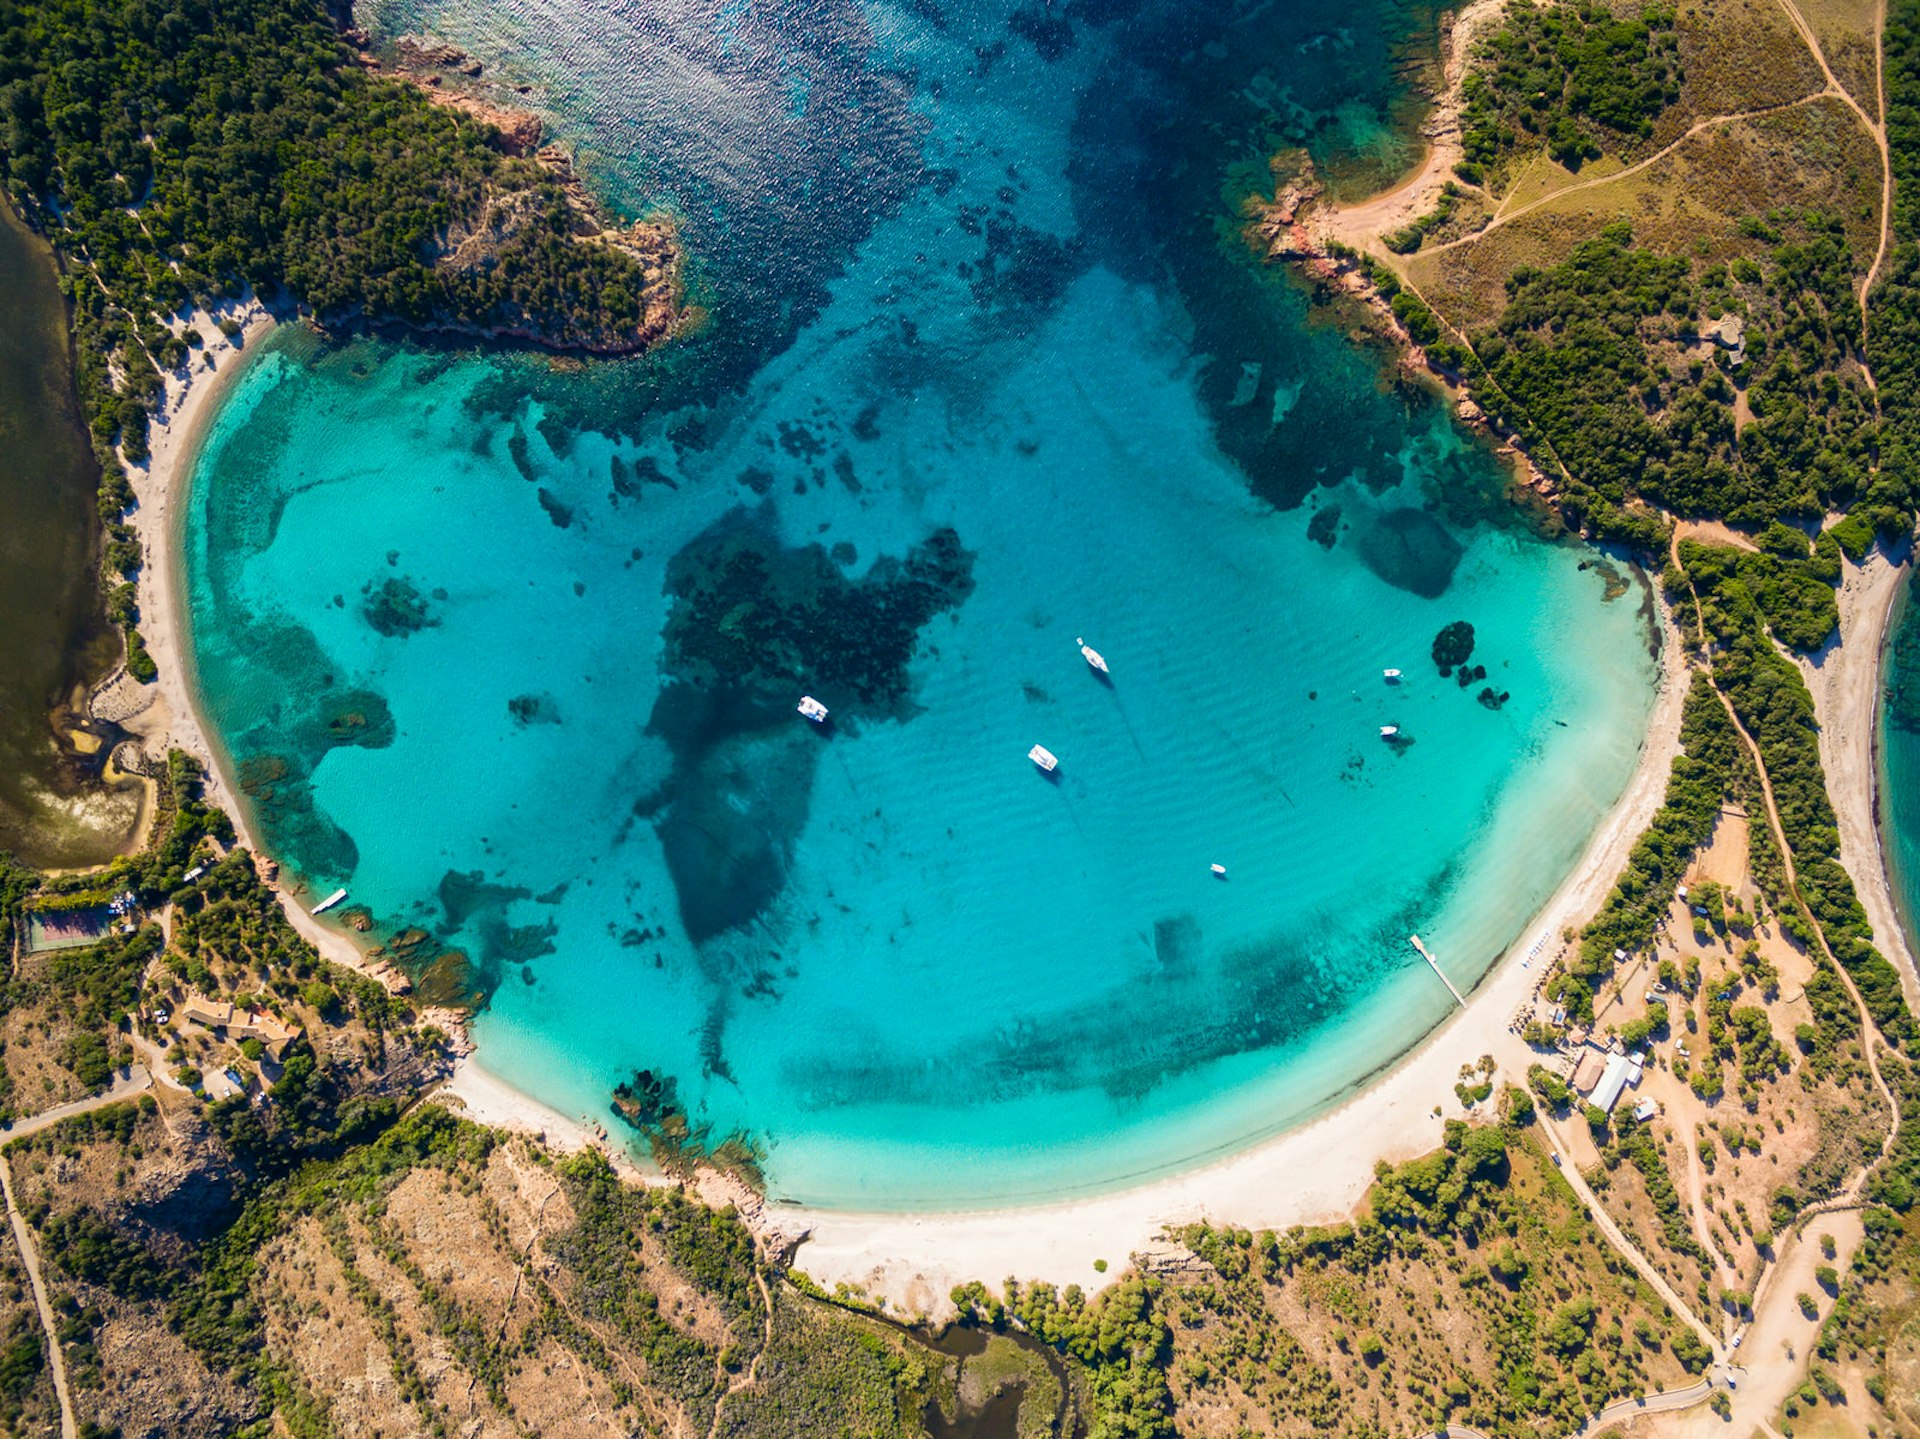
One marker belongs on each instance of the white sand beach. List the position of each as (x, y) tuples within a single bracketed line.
[(1314, 1174), (172, 720), (1845, 680)]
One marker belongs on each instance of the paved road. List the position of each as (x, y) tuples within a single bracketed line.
[(126, 1083)]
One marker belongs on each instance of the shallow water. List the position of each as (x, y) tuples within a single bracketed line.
[(1898, 749), (512, 648), (53, 636)]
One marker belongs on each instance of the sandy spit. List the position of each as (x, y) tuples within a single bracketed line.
[(1845, 680)]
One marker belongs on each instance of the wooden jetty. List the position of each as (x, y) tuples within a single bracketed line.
[(1424, 954)]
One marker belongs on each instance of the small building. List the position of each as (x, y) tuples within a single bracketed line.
[(213, 1013), (275, 1034), (1613, 1082), (1645, 1110), (1587, 1073)]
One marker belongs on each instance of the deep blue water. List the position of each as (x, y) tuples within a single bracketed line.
[(512, 646)]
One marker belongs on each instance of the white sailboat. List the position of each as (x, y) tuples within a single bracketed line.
[(1092, 656)]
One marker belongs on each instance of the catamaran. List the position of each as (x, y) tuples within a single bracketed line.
[(813, 709), (1043, 757)]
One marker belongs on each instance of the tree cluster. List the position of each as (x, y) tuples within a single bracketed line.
[(1578, 79)]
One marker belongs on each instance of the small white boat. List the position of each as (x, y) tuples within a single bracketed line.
[(1392, 677), (1043, 757), (1091, 655), (813, 709), (330, 901), (1389, 731), (1220, 871)]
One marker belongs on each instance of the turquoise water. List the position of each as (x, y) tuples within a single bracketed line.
[(512, 647), (1897, 800)]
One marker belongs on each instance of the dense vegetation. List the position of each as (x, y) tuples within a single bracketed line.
[(180, 151), (1605, 365), (1311, 1331), (1640, 899), (1893, 339), (1576, 79)]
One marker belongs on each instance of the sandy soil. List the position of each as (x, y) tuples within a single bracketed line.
[(1360, 225), (1313, 1174), (1845, 680)]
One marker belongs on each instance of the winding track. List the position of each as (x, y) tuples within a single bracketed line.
[(126, 1084)]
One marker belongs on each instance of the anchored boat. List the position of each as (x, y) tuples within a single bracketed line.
[(1043, 757), (813, 709), (1092, 656), (1392, 677), (1389, 731)]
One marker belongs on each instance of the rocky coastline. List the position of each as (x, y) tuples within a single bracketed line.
[(447, 76), (1299, 228)]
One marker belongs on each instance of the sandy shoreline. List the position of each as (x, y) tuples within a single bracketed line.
[(1845, 680), (1317, 1172), (173, 719), (1313, 1174)]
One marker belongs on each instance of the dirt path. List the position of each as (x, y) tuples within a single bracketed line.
[(127, 1083), (1618, 1239), (1875, 128), (1697, 128), (1702, 1230), (30, 1258)]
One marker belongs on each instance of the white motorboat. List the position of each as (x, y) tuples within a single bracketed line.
[(1392, 677), (813, 709), (1043, 757), (1092, 656), (330, 901), (1220, 871), (1389, 731)]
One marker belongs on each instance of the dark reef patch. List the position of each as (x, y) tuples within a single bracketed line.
[(360, 718), (754, 625), (1410, 550), (561, 514), (1324, 528), (395, 607), (534, 709), (751, 614)]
